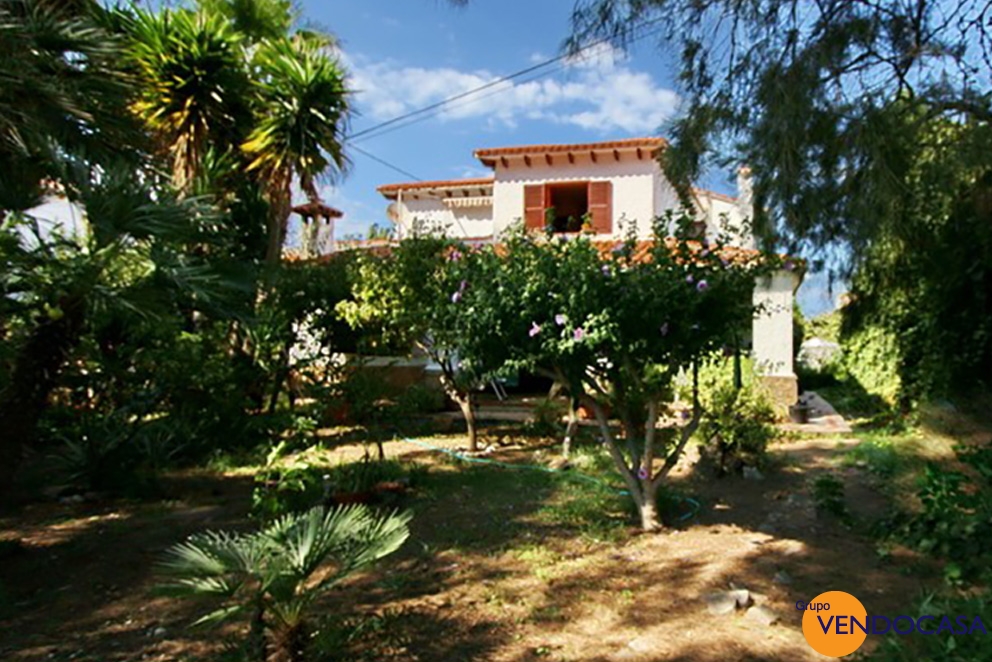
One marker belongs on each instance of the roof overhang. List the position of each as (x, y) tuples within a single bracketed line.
[(640, 148), (317, 209), (447, 188)]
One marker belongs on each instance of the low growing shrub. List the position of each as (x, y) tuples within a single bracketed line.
[(737, 427), (293, 486), (943, 646), (271, 577), (955, 520)]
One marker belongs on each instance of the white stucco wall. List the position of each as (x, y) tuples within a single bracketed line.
[(475, 221), (772, 325), (57, 216), (633, 186)]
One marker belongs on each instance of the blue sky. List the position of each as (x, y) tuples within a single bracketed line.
[(404, 55)]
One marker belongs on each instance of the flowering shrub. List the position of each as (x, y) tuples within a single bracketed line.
[(616, 326), (424, 292)]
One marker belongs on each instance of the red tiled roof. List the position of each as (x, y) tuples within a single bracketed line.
[(605, 247), (488, 154), (387, 189), (318, 210), (642, 250)]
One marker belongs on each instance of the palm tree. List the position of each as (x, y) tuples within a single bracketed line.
[(270, 574), (194, 88), (256, 19), (62, 96), (230, 78), (299, 134)]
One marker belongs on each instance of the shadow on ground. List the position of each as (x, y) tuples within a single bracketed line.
[(503, 564)]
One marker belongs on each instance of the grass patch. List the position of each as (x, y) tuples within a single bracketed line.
[(876, 454)]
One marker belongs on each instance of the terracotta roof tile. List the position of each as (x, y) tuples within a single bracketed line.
[(317, 209), (629, 143), (387, 189)]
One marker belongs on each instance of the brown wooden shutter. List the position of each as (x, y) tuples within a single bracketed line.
[(601, 206), (534, 207)]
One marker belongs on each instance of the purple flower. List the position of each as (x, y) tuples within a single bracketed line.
[(579, 333), (789, 265), (724, 261), (642, 473), (684, 415), (464, 284), (605, 270), (534, 329), (702, 286), (560, 319), (664, 329), (618, 247), (704, 252), (689, 279), (455, 255)]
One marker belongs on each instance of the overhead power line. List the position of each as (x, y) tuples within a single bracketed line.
[(376, 129), (386, 163), (421, 114)]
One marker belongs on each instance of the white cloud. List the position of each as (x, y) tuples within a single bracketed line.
[(597, 90)]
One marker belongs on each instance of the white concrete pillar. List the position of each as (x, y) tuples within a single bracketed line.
[(772, 335)]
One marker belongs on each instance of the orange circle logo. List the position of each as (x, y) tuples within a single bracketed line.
[(835, 623)]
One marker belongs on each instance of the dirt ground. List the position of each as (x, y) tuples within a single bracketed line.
[(485, 576)]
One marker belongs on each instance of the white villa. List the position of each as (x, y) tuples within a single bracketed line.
[(613, 185)]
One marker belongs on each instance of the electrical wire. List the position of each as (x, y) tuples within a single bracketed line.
[(563, 58)]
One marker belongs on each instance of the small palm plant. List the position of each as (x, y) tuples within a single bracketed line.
[(274, 575)]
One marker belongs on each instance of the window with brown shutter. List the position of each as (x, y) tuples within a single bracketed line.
[(601, 207), (534, 206)]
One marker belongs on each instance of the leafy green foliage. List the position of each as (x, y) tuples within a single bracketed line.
[(192, 90), (738, 425), (867, 134), (431, 292), (828, 496), (294, 484), (942, 646), (148, 325), (955, 518), (53, 110), (618, 328), (269, 574)]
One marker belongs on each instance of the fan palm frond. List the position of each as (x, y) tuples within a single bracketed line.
[(273, 567), (63, 96)]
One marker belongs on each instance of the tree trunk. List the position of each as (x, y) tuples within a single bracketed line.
[(35, 374), (467, 404), (573, 426), (280, 205), (648, 507)]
